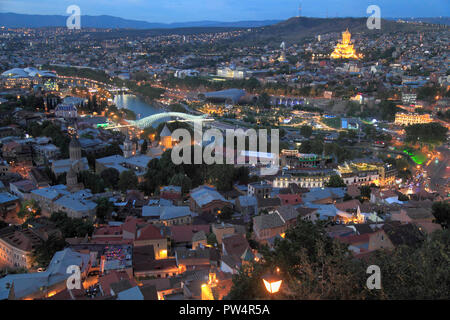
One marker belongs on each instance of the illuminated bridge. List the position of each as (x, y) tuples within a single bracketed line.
[(148, 121)]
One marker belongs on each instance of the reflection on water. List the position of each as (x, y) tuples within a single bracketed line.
[(134, 103)]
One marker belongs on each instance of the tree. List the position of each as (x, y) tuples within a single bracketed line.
[(43, 254), (432, 133), (29, 209), (306, 131), (241, 174), (144, 147), (92, 181), (441, 213), (127, 181), (336, 182), (416, 272), (182, 181), (104, 209), (111, 177), (365, 192), (264, 100), (312, 265), (211, 239), (226, 213), (71, 227), (3, 224), (221, 176)]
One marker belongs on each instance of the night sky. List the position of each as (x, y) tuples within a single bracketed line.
[(229, 10)]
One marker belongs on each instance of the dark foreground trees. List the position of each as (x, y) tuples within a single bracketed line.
[(314, 266)]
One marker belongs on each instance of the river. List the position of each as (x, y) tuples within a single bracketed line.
[(138, 105)]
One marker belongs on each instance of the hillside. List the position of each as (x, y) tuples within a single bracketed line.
[(297, 29)]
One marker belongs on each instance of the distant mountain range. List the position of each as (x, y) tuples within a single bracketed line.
[(15, 20)]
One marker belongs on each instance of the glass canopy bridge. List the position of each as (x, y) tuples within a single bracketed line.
[(148, 121)]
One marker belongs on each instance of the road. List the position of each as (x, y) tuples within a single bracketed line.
[(439, 173)]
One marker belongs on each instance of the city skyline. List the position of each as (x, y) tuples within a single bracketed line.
[(227, 10)]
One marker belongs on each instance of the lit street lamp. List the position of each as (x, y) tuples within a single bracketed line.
[(272, 282)]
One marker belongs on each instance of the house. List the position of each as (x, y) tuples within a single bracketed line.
[(21, 188), (171, 193), (57, 198), (308, 214), (267, 226), (421, 217), (151, 235), (16, 247), (224, 229), (182, 235), (188, 259), (267, 204), (206, 200), (168, 215), (384, 196), (259, 189), (9, 207), (353, 191), (146, 265), (107, 281), (235, 251), (403, 234), (199, 239), (38, 285), (289, 198), (323, 195), (288, 214), (247, 205)]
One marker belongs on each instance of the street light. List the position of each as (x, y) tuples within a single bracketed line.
[(272, 282)]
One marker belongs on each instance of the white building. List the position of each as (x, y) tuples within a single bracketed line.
[(66, 111), (231, 73)]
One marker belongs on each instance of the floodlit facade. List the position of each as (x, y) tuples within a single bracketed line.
[(344, 49), (407, 119)]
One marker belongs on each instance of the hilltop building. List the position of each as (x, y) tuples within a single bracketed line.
[(344, 49)]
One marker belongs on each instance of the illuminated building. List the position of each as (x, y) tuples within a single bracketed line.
[(282, 57), (406, 119), (344, 49), (231, 73), (296, 160), (166, 138), (359, 173), (16, 247), (347, 217), (367, 172), (129, 148), (66, 111), (304, 178)]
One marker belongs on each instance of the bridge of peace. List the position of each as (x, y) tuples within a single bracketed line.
[(148, 121)]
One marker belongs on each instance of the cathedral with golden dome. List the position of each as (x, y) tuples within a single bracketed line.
[(344, 49)]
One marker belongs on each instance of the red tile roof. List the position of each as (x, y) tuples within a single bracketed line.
[(348, 205), (290, 198), (185, 233), (149, 232), (358, 238)]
